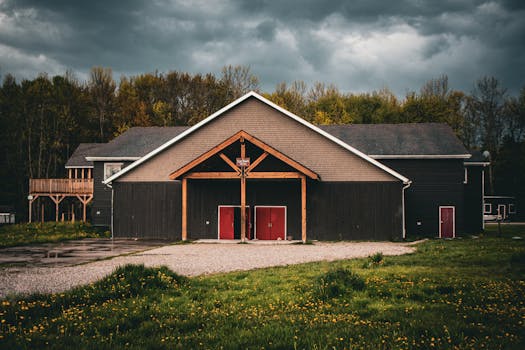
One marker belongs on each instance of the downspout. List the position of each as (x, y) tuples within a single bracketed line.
[(483, 199), (403, 204), (112, 193)]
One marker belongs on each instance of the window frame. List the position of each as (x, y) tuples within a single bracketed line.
[(106, 166), (485, 208)]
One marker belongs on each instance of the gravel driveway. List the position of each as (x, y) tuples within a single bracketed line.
[(190, 260)]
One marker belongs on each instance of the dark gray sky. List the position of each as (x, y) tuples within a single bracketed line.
[(360, 45)]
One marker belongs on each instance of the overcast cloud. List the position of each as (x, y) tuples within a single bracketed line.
[(358, 45)]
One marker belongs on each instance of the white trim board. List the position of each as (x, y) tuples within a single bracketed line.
[(476, 163), (109, 159), (79, 167), (420, 156), (271, 104)]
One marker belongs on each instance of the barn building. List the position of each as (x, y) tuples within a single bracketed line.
[(253, 170)]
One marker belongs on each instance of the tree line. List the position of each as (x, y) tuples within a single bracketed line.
[(43, 120)]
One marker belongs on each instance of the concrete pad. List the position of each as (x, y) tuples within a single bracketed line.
[(70, 253)]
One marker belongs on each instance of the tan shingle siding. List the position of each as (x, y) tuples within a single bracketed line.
[(326, 158)]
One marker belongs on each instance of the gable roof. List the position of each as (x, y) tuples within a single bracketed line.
[(253, 94), (78, 158), (414, 140), (135, 143)]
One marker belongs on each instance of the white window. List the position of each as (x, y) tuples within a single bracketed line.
[(111, 168), (512, 209), (487, 209)]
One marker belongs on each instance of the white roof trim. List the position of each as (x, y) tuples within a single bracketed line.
[(271, 104), (476, 163), (421, 156), (78, 166), (110, 159)]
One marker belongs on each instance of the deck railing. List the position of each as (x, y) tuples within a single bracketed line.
[(61, 186)]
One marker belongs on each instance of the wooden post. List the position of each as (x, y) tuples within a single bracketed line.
[(30, 205), (243, 194), (84, 204), (184, 209), (243, 208), (303, 208), (56, 208), (42, 212)]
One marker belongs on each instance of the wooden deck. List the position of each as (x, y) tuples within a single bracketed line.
[(68, 187), (58, 189)]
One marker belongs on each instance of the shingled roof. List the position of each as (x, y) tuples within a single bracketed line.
[(137, 142), (78, 158), (377, 140), (417, 140)]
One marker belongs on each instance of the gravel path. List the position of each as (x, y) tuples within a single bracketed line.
[(189, 260)]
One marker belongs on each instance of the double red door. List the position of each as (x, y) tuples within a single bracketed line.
[(270, 223), (446, 222), (230, 222)]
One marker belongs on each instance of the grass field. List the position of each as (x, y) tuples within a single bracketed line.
[(466, 293), (21, 234)]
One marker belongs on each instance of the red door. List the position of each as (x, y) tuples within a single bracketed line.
[(446, 217), (277, 223), (270, 223), (230, 220), (226, 222), (262, 223)]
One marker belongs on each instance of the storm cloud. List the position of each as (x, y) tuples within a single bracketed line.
[(358, 45)]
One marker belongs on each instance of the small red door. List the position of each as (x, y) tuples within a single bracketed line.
[(226, 222), (270, 223), (446, 216)]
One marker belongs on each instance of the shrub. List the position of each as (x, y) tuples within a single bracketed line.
[(132, 280), (374, 260), (337, 283)]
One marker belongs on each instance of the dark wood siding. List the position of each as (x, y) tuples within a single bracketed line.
[(435, 182), (474, 200), (336, 210), (147, 210), (205, 196), (101, 206), (354, 210)]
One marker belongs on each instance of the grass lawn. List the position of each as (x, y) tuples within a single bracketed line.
[(21, 234), (464, 293)]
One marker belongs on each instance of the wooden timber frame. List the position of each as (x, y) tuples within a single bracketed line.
[(243, 173)]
